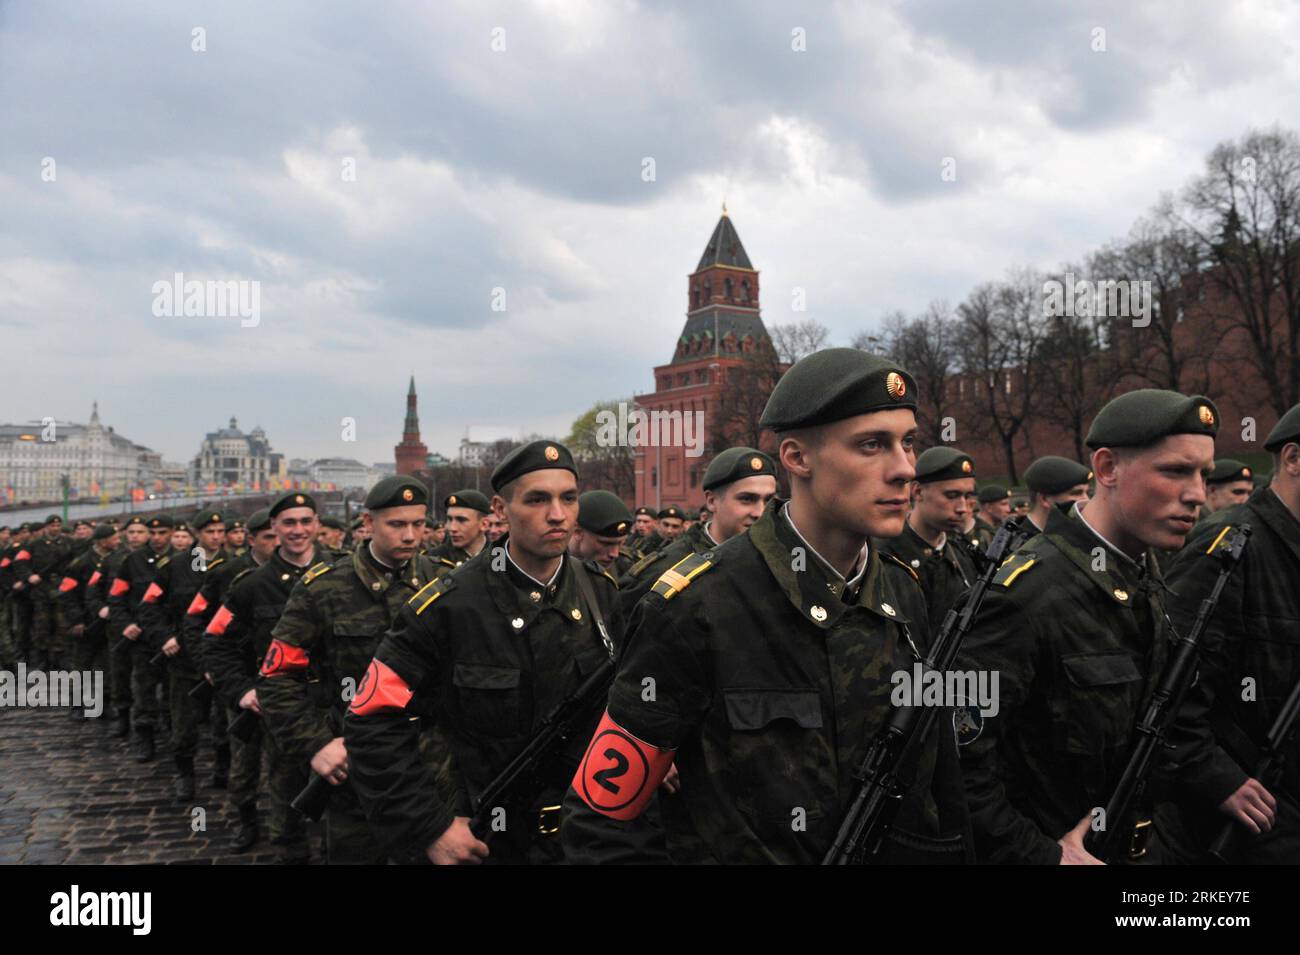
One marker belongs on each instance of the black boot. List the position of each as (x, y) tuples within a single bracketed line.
[(144, 750), (247, 833), (122, 727), (221, 768), (184, 778)]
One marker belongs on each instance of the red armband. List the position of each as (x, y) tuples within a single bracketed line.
[(23, 555), (152, 594), (197, 606), (220, 620), (68, 583), (94, 579), (119, 587), (619, 773), (380, 689), (282, 658)]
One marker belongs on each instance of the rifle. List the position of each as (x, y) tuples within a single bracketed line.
[(1268, 770), (313, 799), (879, 792), (1152, 728), (244, 726), (571, 715)]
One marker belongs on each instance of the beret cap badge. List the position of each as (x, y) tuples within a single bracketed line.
[(967, 467), (299, 499), (551, 454), (408, 494), (1207, 416), (756, 464), (895, 385)]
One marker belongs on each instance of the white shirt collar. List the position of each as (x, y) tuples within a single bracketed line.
[(530, 576), (860, 563), (708, 534)]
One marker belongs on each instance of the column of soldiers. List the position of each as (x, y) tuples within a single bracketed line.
[(550, 676)]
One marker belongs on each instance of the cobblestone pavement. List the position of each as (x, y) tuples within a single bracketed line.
[(69, 792)]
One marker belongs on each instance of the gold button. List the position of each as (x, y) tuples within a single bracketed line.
[(817, 613), (888, 609), (534, 596), (415, 581), (517, 623), (376, 585), (284, 576), (1120, 594), (575, 613), (915, 562)]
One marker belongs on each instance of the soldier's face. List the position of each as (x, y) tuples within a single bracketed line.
[(542, 512), (1156, 492), (439, 535), (182, 540), (53, 529), (212, 537), (997, 511), (736, 506), (396, 532), (235, 537), (160, 538), (264, 543), (465, 525), (83, 532), (857, 471), (942, 505), (109, 544), (603, 550), (1077, 493), (136, 535), (645, 525), (670, 528), (297, 528), (1227, 494)]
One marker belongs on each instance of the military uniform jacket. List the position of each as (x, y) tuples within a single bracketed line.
[(240, 631), (213, 587), (81, 594), (945, 574), (328, 633), (1254, 632), (1077, 651), (770, 686), (637, 582), (177, 579), (45, 556), (130, 582), (481, 656)]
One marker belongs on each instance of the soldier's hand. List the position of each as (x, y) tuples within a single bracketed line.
[(171, 647), (1072, 850), (671, 782), (331, 761), (77, 629), (457, 846), (208, 677), (34, 579), (1251, 805), (103, 613), (249, 702), (132, 631)]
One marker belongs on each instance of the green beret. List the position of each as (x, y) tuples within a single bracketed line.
[(534, 456), (992, 493), (736, 463), (333, 523), (835, 384), (647, 511), (1226, 469), (161, 520), (259, 520), (183, 526), (1285, 431), (235, 523), (203, 518), (672, 510), (468, 498), (135, 519), (396, 490), (1141, 418), (82, 523), (292, 499), (603, 513), (357, 524), (943, 464), (1052, 475), (103, 531), (52, 519)]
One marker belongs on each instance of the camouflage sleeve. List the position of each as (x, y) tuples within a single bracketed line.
[(1004, 639), (395, 786), (300, 728), (1196, 759), (223, 655)]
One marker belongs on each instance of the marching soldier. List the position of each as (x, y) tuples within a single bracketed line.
[(1075, 627), (994, 509), (603, 525), (331, 534), (645, 533), (932, 543), (1252, 641), (11, 542), (135, 535), (1231, 482), (762, 670), (738, 484), (1053, 482), (481, 656), (236, 641), (38, 567), (324, 641), (236, 537), (672, 523), (467, 520), (83, 603), (132, 580)]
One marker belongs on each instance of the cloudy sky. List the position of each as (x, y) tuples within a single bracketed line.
[(503, 145)]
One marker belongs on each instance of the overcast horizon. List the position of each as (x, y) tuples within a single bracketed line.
[(381, 169)]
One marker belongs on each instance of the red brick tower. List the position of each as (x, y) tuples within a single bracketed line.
[(411, 453), (723, 329)]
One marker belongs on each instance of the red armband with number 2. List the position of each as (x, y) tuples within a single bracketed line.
[(619, 772)]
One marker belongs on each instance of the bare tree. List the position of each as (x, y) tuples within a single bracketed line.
[(1244, 217), (735, 418), (927, 346), (797, 340)]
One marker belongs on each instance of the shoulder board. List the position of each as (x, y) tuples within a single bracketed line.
[(1013, 567), (447, 562), (429, 593), (678, 577), (164, 561), (213, 563), (646, 560), (242, 574), (901, 563), (1220, 539), (314, 572)]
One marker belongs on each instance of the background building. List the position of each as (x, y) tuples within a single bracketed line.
[(230, 458), (411, 453)]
